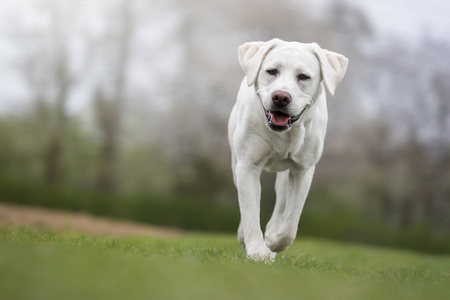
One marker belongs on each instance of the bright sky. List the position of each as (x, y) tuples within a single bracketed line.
[(407, 18)]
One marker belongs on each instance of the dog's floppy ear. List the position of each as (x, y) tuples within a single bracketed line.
[(332, 66), (251, 56)]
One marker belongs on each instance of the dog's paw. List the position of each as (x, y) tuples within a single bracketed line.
[(261, 254), (279, 242)]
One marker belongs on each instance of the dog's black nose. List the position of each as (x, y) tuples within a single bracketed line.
[(281, 99)]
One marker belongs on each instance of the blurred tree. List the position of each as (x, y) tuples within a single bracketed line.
[(437, 197), (55, 149), (414, 106), (50, 79), (109, 104)]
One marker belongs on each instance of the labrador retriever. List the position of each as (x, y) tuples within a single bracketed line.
[(278, 124)]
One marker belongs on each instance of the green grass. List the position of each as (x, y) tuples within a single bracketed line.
[(44, 265)]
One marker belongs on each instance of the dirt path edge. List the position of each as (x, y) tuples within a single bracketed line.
[(16, 216)]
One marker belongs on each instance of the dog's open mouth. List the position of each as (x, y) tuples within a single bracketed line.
[(279, 121)]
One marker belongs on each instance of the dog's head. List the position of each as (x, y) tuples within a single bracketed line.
[(288, 76)]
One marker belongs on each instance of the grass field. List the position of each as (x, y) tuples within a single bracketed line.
[(37, 264)]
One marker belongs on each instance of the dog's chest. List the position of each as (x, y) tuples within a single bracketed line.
[(279, 165), (287, 154)]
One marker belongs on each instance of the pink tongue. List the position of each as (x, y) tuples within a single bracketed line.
[(279, 119)]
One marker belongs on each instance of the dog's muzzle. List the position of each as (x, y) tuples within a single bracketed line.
[(279, 121)]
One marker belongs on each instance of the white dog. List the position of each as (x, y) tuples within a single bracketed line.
[(278, 124)]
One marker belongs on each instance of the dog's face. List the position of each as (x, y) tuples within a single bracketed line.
[(287, 83), (287, 77)]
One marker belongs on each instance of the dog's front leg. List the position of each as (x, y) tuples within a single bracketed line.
[(297, 184), (249, 193)]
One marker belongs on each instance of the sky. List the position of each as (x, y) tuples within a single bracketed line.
[(410, 19)]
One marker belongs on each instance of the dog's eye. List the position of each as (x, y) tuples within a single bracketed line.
[(272, 72), (303, 77)]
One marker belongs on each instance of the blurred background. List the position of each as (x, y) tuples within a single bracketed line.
[(120, 108)]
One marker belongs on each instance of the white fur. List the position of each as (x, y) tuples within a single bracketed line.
[(292, 153)]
